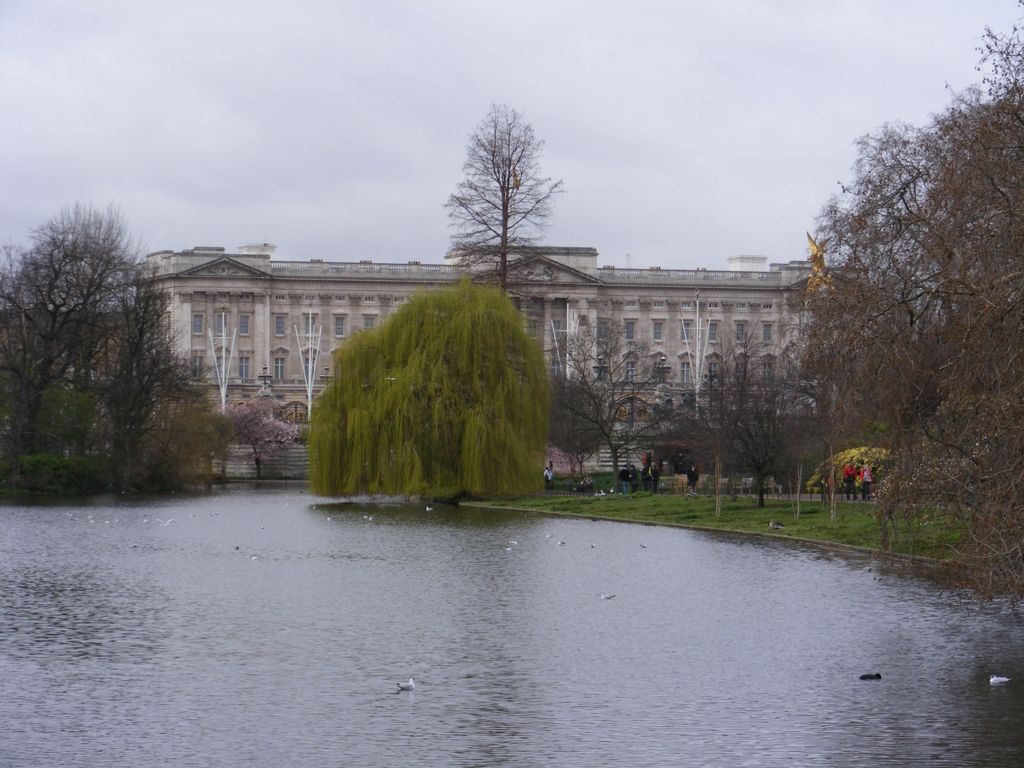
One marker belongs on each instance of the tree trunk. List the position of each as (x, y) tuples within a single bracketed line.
[(831, 486), (799, 485), (718, 485), (503, 245)]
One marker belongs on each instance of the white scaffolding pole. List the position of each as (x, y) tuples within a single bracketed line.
[(310, 355), (572, 325), (697, 354), (554, 338), (223, 355)]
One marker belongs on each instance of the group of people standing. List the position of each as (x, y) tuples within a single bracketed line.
[(647, 477), (630, 478), (851, 475)]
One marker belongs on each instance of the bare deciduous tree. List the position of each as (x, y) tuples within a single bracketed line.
[(504, 198), (140, 371), (56, 296), (87, 363), (751, 413), (611, 390), (568, 430), (919, 333)]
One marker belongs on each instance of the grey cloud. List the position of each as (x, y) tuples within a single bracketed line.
[(684, 134)]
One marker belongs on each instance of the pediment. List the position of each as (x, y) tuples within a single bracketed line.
[(224, 267), (540, 269)]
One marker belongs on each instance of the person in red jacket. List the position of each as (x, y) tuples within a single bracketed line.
[(849, 480)]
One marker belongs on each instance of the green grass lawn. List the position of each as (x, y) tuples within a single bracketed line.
[(856, 524)]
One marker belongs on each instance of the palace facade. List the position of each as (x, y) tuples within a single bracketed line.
[(250, 322)]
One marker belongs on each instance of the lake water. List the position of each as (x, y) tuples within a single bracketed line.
[(264, 628)]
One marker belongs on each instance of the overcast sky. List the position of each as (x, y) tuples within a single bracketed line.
[(685, 132)]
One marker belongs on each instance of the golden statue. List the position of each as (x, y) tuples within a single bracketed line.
[(819, 272)]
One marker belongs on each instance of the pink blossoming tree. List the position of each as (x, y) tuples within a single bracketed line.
[(257, 426)]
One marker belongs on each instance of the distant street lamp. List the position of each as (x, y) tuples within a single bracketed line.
[(264, 380)]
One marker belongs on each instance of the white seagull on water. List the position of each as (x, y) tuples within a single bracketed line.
[(406, 686), (998, 679), (606, 597)]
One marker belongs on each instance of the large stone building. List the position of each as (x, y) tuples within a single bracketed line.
[(242, 315)]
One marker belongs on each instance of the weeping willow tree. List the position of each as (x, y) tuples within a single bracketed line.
[(448, 398)]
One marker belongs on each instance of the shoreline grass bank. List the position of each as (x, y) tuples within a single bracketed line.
[(857, 524)]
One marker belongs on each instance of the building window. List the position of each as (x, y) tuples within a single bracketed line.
[(630, 370), (657, 330), (766, 333), (684, 372), (740, 368), (220, 323), (369, 321), (279, 325), (767, 371), (630, 328), (602, 328), (278, 368), (741, 331), (198, 364), (687, 325), (197, 323), (339, 325), (712, 371), (713, 330), (243, 325), (556, 327), (310, 320), (766, 306), (531, 326), (243, 367)]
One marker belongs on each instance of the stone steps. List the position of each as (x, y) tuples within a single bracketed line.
[(291, 463)]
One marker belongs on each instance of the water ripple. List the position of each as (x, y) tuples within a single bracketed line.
[(128, 643)]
